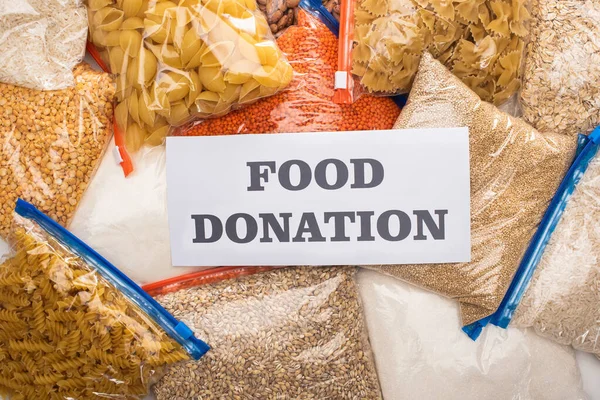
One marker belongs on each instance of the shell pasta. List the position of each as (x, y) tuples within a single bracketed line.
[(180, 60)]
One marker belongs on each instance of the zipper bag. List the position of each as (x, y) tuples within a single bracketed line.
[(73, 326)]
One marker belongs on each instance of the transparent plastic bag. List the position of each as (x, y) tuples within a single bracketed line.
[(562, 301), (73, 327), (421, 353), (126, 219), (515, 171), (480, 41), (176, 61), (311, 48), (287, 333), (41, 41), (562, 67), (52, 143)]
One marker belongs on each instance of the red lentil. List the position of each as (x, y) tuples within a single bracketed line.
[(307, 106)]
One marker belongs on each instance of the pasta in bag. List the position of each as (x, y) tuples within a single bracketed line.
[(176, 61), (480, 41), (278, 333), (307, 106), (72, 326), (515, 171)]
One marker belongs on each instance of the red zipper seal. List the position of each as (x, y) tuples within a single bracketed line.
[(343, 80), (126, 163)]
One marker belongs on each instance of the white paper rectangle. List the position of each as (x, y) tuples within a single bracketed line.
[(418, 213)]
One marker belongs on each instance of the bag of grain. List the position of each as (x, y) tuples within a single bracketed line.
[(562, 67), (515, 171), (421, 353), (562, 301), (41, 41), (287, 333), (126, 219)]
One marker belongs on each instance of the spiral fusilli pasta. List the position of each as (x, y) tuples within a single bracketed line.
[(66, 333)]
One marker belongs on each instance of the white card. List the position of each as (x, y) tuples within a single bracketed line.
[(327, 198)]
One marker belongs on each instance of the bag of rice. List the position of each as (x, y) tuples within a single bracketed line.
[(515, 171), (562, 301), (421, 353)]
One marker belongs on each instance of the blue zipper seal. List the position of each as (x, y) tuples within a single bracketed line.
[(175, 328), (586, 150), (317, 8)]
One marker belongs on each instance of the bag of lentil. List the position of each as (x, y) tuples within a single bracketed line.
[(311, 48), (562, 67), (179, 61), (480, 41), (52, 142), (126, 219), (515, 171), (421, 353), (41, 41), (286, 333), (72, 326), (562, 301)]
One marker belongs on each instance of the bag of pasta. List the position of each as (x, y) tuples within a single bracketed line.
[(515, 171), (176, 61), (72, 326), (480, 41), (311, 47), (278, 333)]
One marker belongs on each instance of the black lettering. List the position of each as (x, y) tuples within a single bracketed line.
[(321, 174), (284, 175), (270, 221), (339, 220), (216, 228), (231, 228), (359, 173), (438, 232), (308, 224), (256, 174), (365, 226), (383, 225)]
